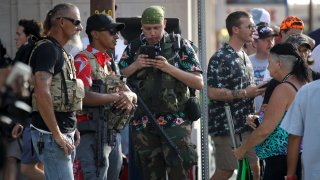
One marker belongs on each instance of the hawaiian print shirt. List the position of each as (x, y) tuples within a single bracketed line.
[(83, 69), (186, 61), (228, 70)]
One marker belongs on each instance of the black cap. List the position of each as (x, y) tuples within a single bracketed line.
[(102, 22), (265, 31)]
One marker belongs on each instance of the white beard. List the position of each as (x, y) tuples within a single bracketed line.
[(75, 42)]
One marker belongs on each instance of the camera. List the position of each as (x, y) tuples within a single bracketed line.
[(151, 50), (15, 98), (19, 70)]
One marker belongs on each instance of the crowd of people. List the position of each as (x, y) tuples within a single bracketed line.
[(79, 105)]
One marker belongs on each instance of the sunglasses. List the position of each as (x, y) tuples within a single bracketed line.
[(252, 27), (75, 22), (113, 32)]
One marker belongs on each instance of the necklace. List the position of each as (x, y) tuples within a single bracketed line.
[(286, 77)]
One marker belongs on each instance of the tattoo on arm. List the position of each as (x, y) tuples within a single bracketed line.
[(223, 93), (44, 76), (235, 93)]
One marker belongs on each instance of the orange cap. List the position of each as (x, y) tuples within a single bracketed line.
[(291, 22)]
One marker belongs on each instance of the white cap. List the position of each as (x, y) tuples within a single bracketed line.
[(260, 15)]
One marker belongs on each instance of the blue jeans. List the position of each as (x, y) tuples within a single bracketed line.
[(125, 140), (57, 165), (86, 156), (28, 155)]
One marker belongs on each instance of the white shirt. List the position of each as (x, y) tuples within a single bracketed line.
[(303, 119), (316, 57), (259, 68)]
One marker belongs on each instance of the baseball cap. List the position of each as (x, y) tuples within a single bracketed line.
[(102, 22), (260, 15), (299, 39), (292, 22), (153, 15), (265, 31)]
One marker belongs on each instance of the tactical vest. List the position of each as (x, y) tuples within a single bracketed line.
[(67, 92), (113, 83), (162, 92)]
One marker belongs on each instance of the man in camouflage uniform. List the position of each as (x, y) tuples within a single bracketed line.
[(95, 64), (57, 93), (162, 83)]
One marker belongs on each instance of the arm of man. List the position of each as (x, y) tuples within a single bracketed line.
[(294, 124), (186, 69), (133, 95), (44, 101), (142, 61), (191, 79), (130, 62), (45, 106), (97, 99), (223, 94), (293, 154)]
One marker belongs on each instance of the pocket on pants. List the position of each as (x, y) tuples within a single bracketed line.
[(189, 155), (138, 158)]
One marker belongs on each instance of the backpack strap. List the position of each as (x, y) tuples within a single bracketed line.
[(177, 45)]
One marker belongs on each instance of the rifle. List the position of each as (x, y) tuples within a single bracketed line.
[(98, 115), (231, 126), (155, 124)]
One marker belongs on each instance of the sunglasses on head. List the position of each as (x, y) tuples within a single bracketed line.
[(75, 22)]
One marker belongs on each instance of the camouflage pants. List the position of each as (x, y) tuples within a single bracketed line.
[(158, 160)]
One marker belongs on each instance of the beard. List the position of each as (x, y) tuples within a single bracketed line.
[(75, 41)]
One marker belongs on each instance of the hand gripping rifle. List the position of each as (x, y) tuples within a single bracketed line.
[(98, 115), (155, 124)]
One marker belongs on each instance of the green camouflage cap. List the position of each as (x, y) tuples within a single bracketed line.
[(298, 39), (153, 15)]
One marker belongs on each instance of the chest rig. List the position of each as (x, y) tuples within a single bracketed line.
[(66, 91), (113, 83), (162, 92)]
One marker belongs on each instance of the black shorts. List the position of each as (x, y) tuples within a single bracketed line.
[(276, 168)]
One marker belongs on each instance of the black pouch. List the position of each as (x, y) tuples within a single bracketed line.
[(192, 109)]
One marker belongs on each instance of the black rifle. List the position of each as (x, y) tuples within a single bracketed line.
[(98, 115), (155, 124)]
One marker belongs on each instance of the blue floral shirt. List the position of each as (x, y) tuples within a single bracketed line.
[(228, 70)]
